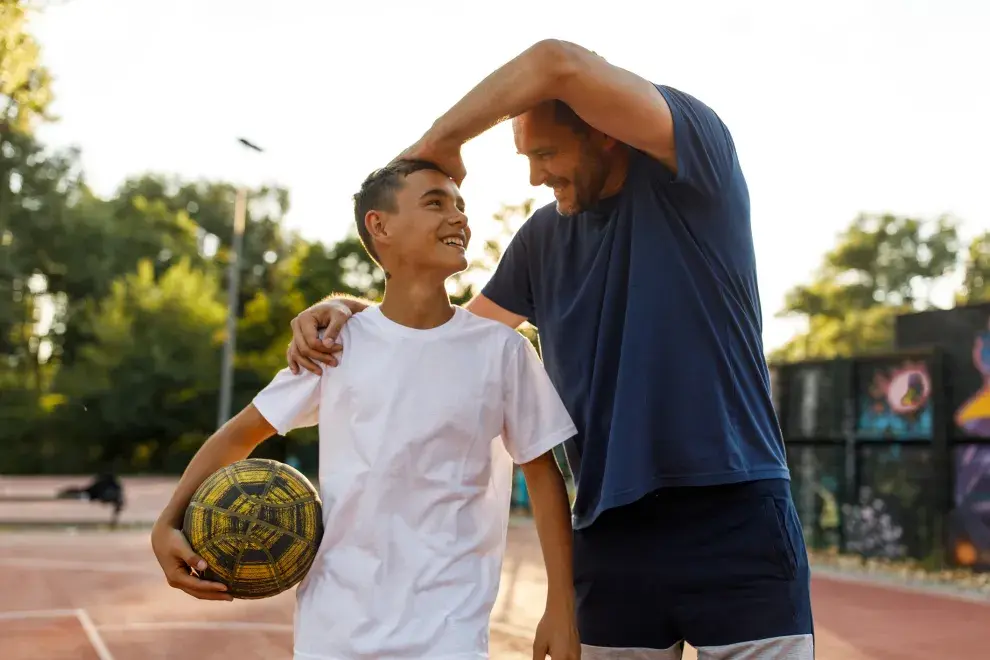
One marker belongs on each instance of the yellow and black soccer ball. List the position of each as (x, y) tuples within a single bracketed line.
[(258, 524)]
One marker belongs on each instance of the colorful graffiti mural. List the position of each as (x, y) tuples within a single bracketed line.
[(963, 334), (895, 400), (973, 416), (971, 516)]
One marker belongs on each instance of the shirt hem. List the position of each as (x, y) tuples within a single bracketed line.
[(548, 443), (271, 413), (630, 495)]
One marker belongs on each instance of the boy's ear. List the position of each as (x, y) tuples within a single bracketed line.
[(376, 223)]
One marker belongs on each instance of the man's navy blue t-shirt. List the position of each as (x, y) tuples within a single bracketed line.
[(650, 324)]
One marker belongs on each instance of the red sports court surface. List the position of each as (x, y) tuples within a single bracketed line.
[(100, 596)]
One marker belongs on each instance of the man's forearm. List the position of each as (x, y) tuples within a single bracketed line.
[(522, 83), (552, 514), (234, 441)]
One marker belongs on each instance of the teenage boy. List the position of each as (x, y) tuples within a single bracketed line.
[(418, 425)]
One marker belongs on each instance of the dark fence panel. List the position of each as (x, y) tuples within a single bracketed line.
[(818, 481), (868, 452)]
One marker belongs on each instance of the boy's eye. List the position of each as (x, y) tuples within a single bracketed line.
[(435, 202)]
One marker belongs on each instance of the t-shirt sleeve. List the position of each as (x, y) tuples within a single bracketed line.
[(290, 401), (705, 149), (535, 419), (511, 287)]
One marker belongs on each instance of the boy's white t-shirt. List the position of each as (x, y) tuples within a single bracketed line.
[(417, 432)]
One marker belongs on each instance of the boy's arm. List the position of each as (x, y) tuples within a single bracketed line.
[(536, 421), (234, 441), (288, 402), (557, 634)]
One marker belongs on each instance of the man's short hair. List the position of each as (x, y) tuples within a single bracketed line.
[(377, 193), (563, 114)]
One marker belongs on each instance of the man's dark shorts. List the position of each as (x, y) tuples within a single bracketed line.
[(724, 568)]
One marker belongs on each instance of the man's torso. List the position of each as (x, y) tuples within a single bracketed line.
[(650, 326)]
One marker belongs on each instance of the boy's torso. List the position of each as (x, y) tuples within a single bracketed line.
[(415, 486)]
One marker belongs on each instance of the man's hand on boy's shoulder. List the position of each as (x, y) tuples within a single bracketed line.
[(307, 348), (557, 637), (176, 558)]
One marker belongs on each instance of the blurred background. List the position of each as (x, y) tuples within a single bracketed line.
[(175, 182)]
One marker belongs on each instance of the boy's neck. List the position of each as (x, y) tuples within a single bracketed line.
[(418, 305)]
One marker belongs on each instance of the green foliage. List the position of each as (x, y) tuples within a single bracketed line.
[(151, 364), (881, 266), (976, 277), (25, 85)]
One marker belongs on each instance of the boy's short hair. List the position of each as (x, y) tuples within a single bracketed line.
[(377, 193)]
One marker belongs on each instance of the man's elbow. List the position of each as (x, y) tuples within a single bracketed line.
[(558, 62)]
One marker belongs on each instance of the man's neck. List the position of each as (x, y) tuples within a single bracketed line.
[(418, 305), (618, 171)]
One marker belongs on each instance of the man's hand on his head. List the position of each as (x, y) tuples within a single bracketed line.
[(444, 154)]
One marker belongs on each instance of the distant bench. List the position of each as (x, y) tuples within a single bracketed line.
[(104, 490)]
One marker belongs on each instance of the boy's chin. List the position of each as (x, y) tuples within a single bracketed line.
[(454, 269)]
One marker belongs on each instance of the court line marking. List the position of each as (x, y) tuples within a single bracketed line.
[(80, 615), (93, 635), (20, 615)]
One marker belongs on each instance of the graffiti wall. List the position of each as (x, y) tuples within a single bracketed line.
[(963, 333), (894, 514), (895, 401), (970, 520)]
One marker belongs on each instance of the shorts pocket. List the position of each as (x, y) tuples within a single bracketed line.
[(779, 535)]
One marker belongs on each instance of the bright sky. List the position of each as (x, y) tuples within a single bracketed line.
[(836, 107)]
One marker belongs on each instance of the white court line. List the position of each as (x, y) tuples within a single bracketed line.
[(102, 652), (36, 614), (93, 635), (196, 625)]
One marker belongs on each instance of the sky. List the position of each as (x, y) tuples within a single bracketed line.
[(836, 108)]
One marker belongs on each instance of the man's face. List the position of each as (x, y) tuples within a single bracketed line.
[(429, 230), (573, 165)]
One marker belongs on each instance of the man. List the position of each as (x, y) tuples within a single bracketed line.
[(642, 282), (417, 426)]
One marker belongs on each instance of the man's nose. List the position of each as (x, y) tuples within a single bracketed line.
[(537, 175)]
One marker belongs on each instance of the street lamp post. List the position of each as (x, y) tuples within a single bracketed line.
[(233, 291)]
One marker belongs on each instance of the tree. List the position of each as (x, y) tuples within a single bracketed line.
[(881, 266), (150, 374), (25, 85), (976, 276)]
